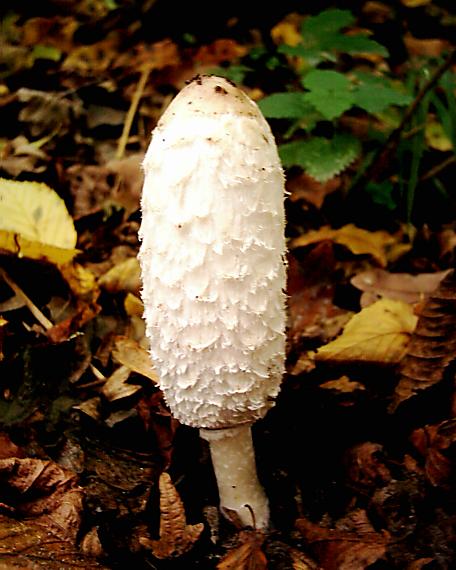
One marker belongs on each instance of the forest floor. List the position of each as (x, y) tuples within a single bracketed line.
[(358, 456)]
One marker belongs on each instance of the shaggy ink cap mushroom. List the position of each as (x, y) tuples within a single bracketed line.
[(212, 258)]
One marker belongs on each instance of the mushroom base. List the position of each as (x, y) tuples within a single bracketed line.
[(233, 459)]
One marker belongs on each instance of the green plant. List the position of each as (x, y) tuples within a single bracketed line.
[(328, 94)]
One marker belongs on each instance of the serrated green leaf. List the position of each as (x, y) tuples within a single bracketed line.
[(327, 23), (376, 98), (321, 158), (330, 92), (356, 44), (326, 79), (285, 106)]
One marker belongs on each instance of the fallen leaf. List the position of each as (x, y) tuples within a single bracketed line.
[(436, 136), (176, 536), (117, 386), (304, 187), (352, 545), (247, 556), (34, 222), (8, 448), (220, 51), (405, 287), (433, 344), (89, 187), (131, 354), (432, 442), (47, 514), (301, 561), (365, 466), (287, 31), (357, 240), (420, 564), (124, 276), (343, 385), (133, 305), (428, 47), (47, 112), (379, 333), (158, 55)]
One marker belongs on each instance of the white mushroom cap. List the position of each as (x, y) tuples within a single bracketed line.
[(212, 256)]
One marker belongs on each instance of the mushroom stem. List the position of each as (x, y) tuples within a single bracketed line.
[(233, 459)]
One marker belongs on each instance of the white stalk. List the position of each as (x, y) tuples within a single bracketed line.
[(233, 459)]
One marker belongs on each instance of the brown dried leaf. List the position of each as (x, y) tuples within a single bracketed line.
[(47, 511), (433, 344), (176, 536), (352, 545), (117, 387), (357, 240), (432, 441), (221, 50), (131, 354), (301, 561), (365, 467), (400, 286), (247, 556), (343, 385), (304, 187)]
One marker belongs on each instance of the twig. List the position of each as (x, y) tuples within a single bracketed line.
[(438, 168), (42, 319), (375, 169), (132, 111)]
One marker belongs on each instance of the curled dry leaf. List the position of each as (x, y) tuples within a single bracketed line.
[(379, 333), (176, 536), (433, 344), (376, 283), (34, 222), (433, 442), (357, 240), (247, 556), (365, 467), (352, 545)]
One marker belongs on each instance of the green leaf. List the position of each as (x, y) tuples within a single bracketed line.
[(321, 158), (376, 98), (285, 106), (356, 44), (327, 23), (46, 52), (382, 194), (330, 92)]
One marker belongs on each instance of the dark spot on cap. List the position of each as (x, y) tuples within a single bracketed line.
[(220, 89), (230, 82)]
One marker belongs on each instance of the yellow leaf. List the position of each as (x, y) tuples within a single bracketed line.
[(176, 536), (125, 276), (436, 137), (133, 305), (379, 333), (357, 240), (286, 32), (415, 3), (34, 222)]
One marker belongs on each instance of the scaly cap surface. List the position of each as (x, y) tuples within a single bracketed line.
[(212, 256)]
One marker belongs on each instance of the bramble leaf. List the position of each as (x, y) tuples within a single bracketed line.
[(285, 106), (321, 158), (329, 92)]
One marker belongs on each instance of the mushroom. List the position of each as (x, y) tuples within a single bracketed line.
[(213, 274)]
